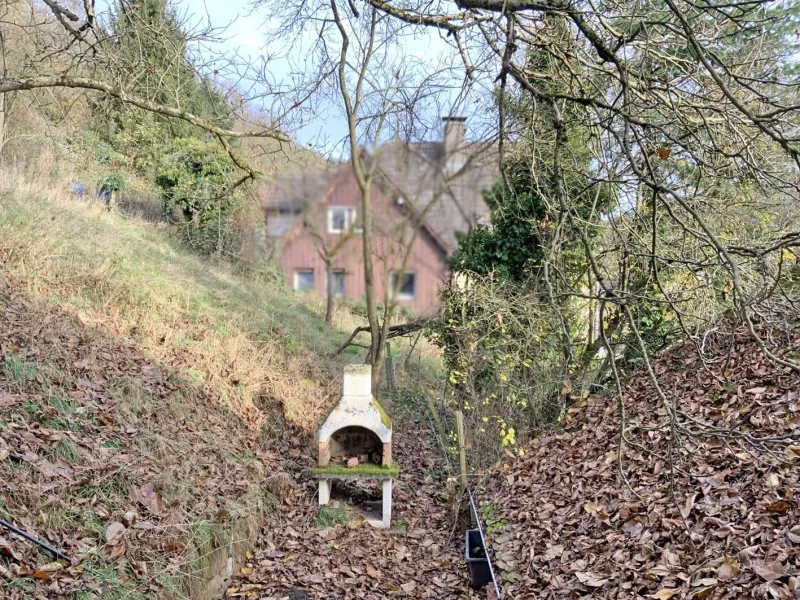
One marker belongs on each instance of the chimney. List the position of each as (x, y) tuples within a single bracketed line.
[(357, 380), (454, 141)]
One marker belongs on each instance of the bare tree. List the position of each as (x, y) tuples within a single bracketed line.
[(72, 49), (691, 114), (384, 93)]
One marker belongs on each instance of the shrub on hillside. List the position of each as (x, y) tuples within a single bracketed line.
[(195, 179)]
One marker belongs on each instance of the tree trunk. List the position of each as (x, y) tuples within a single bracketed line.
[(2, 125), (330, 292), (3, 105), (375, 355)]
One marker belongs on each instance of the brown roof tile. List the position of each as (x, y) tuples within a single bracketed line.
[(450, 196)]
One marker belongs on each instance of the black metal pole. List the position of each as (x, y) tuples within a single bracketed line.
[(46, 546), (29, 537)]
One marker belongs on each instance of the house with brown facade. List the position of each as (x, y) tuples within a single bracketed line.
[(423, 195)]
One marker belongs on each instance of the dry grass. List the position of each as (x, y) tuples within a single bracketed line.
[(242, 337), (247, 341)]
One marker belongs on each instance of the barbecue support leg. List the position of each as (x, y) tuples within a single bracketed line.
[(387, 503), (324, 491)]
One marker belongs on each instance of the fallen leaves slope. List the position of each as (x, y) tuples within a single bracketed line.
[(709, 517), (123, 465)]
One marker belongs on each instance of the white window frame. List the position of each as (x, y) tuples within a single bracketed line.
[(297, 273), (401, 295), (350, 215), (343, 273)]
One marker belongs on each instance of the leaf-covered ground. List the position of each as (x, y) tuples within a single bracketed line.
[(712, 516), (302, 555), (124, 466)]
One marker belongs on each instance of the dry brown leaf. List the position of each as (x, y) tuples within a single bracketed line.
[(703, 593), (139, 566), (592, 508), (149, 498), (591, 579), (51, 567), (781, 507), (114, 532), (401, 552), (686, 509), (769, 571), (665, 593), (115, 551), (129, 518), (6, 549), (728, 570), (59, 468), (175, 546), (794, 534)]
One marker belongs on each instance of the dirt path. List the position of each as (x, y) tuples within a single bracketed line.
[(421, 557)]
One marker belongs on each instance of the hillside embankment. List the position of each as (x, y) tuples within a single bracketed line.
[(146, 395), (704, 504)]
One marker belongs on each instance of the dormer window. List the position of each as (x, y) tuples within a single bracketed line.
[(342, 219)]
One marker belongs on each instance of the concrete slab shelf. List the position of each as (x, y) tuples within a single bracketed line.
[(358, 472), (352, 476)]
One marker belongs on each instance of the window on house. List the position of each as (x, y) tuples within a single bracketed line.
[(337, 220), (303, 281), (343, 219), (408, 285), (338, 283)]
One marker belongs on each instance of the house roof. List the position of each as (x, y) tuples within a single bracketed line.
[(293, 191), (447, 197)]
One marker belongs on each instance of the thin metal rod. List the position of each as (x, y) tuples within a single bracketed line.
[(47, 547), (480, 529)]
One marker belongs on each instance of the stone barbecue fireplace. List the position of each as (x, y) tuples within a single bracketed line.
[(355, 441)]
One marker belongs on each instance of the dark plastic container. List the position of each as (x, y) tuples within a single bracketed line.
[(480, 574)]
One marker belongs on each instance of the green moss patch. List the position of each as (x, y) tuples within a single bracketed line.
[(363, 469), (387, 422)]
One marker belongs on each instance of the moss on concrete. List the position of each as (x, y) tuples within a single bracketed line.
[(387, 422), (362, 469)]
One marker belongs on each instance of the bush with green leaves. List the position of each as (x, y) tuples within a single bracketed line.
[(504, 359), (512, 245), (195, 179)]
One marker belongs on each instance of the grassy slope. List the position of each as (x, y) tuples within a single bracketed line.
[(126, 361), (242, 338)]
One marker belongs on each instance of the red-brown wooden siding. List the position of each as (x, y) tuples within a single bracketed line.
[(426, 258)]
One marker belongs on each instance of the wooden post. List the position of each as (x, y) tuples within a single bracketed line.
[(462, 453), (436, 420), (464, 511), (389, 369)]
